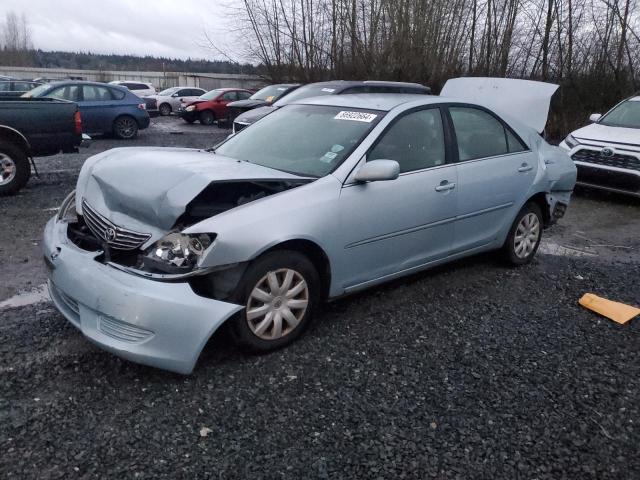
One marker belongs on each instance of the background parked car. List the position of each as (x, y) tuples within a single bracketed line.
[(106, 109), (34, 127), (212, 106), (264, 96), (337, 87), (15, 88), (141, 89), (168, 100), (607, 152)]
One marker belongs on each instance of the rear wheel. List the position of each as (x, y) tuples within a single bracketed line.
[(525, 235), (280, 292), (125, 127), (14, 168), (207, 117), (165, 109)]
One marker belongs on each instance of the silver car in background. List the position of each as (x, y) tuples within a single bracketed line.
[(157, 248)]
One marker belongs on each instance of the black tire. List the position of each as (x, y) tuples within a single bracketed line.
[(13, 159), (125, 127), (165, 109), (224, 123), (511, 253), (207, 117), (275, 261)]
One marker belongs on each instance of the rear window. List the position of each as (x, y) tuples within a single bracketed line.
[(306, 92)]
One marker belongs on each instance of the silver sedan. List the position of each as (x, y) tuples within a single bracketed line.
[(157, 248)]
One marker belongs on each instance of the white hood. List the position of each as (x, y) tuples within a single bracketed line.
[(525, 100), (606, 134)]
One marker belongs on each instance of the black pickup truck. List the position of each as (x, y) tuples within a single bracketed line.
[(30, 128)]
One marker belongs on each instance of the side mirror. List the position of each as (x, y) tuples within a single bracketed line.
[(594, 117), (174, 95), (377, 171)]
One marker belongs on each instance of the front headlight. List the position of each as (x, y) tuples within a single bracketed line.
[(571, 141), (67, 211), (177, 252), (190, 108)]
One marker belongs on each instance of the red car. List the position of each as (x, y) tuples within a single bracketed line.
[(212, 106)]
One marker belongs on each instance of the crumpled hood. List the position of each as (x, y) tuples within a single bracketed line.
[(256, 114), (147, 189), (605, 134)]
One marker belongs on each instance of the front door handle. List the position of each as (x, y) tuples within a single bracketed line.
[(445, 186), (525, 167)]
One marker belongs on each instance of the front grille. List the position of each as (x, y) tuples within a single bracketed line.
[(122, 331), (106, 231), (615, 160)]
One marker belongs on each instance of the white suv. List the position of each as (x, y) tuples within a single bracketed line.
[(139, 88), (168, 100), (607, 152)]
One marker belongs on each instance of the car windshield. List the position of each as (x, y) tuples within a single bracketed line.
[(270, 93), (168, 91), (306, 140), (307, 91), (211, 95), (627, 114), (37, 92)]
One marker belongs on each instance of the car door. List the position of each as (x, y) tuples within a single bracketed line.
[(98, 108), (495, 172), (223, 100), (177, 97), (396, 225)]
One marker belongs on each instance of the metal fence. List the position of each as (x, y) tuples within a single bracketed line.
[(208, 81)]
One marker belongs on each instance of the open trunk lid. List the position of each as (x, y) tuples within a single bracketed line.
[(525, 100)]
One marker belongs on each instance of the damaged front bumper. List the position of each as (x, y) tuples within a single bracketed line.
[(161, 324)]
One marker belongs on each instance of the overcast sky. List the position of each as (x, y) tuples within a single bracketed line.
[(170, 28)]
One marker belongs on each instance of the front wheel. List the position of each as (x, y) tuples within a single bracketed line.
[(525, 235), (280, 292), (207, 117), (125, 128), (14, 168), (165, 109)]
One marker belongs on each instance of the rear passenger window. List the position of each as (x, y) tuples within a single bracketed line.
[(70, 92), (243, 95), (117, 94), (230, 96), (93, 93), (415, 141), (480, 134)]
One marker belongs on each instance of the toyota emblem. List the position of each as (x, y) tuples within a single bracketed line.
[(607, 152), (109, 234)]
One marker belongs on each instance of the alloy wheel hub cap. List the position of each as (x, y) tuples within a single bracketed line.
[(7, 169), (527, 235), (277, 304)]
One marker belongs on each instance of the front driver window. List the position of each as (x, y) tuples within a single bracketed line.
[(481, 135), (415, 141)]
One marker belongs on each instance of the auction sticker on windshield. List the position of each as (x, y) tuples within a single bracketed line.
[(356, 116)]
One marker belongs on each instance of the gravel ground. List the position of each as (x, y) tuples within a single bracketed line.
[(472, 370)]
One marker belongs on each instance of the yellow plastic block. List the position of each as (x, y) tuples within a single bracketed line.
[(618, 312)]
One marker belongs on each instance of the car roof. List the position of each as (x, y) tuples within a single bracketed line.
[(86, 82), (352, 83), (373, 101)]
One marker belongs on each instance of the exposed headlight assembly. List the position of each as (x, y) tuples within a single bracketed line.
[(571, 141), (190, 108), (177, 252), (67, 211)]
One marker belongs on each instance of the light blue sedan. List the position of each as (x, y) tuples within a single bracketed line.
[(157, 248)]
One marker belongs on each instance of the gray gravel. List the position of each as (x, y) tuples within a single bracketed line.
[(472, 370)]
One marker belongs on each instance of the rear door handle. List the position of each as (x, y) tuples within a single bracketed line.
[(444, 186), (525, 167)]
